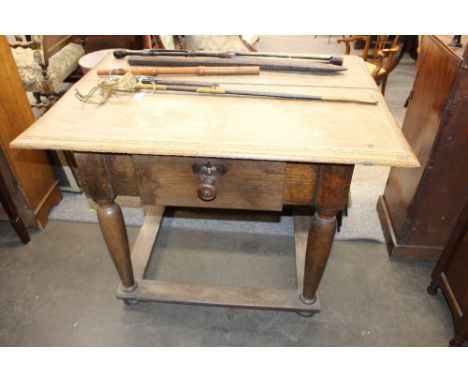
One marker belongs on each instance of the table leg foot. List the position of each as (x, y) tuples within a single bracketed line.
[(129, 289), (307, 301), (306, 314), (432, 289), (131, 301)]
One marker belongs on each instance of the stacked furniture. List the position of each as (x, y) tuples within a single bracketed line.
[(27, 174), (44, 63), (381, 61)]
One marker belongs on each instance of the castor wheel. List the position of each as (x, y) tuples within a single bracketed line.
[(305, 313), (130, 301), (431, 289)]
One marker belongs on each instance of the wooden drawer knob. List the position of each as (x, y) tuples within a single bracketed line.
[(208, 174), (207, 191)]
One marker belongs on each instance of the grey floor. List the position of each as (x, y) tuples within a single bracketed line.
[(59, 290)]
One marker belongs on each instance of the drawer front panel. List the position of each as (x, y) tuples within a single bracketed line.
[(186, 181)]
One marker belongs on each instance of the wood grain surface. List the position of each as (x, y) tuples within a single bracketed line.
[(28, 174), (143, 247), (420, 206), (219, 295), (233, 127), (171, 181)]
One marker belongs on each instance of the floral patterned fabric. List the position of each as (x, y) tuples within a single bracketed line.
[(61, 65), (226, 43), (168, 41)]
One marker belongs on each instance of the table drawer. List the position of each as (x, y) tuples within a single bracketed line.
[(210, 182)]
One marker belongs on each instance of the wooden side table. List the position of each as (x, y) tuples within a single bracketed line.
[(225, 152)]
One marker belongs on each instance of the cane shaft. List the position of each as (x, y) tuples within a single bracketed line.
[(270, 64), (253, 93), (194, 70), (334, 60)]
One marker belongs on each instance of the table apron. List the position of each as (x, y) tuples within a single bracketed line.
[(171, 181)]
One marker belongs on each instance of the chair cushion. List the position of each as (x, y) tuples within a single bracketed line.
[(168, 41), (371, 67), (61, 65), (227, 43)]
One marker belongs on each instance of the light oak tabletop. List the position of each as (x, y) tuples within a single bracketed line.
[(232, 126)]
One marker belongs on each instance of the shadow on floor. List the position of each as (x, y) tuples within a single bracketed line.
[(59, 290)]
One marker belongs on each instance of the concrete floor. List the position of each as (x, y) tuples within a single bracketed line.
[(59, 290)]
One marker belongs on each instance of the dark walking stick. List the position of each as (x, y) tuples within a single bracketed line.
[(121, 53)]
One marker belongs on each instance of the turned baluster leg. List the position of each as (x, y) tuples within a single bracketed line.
[(321, 234), (115, 235), (98, 186), (331, 198)]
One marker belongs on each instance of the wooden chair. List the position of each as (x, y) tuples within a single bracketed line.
[(381, 61), (44, 62)]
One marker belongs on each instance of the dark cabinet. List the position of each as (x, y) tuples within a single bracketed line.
[(420, 206), (451, 276)]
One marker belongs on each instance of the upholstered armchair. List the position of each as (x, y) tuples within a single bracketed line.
[(226, 43), (381, 61), (44, 63)]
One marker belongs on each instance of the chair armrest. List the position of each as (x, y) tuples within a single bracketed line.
[(348, 40), (388, 54), (351, 39), (388, 51)]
